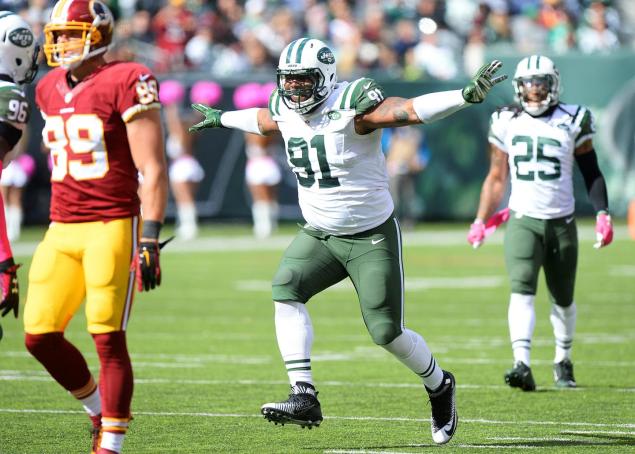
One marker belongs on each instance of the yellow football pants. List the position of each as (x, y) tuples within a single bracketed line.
[(88, 260)]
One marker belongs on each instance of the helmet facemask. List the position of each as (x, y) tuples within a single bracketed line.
[(30, 73), (306, 98), (73, 51), (535, 93)]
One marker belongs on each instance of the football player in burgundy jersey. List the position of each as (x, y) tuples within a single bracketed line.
[(103, 126), (18, 55)]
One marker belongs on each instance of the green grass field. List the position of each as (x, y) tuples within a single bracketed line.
[(205, 358)]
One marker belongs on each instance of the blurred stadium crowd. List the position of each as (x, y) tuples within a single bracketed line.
[(408, 39)]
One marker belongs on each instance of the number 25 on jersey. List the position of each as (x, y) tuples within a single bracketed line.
[(81, 134)]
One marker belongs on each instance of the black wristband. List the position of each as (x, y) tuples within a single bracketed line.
[(6, 264), (151, 229)]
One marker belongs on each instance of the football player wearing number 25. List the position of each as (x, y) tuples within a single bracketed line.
[(18, 66), (535, 144), (332, 132), (102, 126)]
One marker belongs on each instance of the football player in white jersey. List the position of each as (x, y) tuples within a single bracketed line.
[(535, 144), (18, 66), (332, 133)]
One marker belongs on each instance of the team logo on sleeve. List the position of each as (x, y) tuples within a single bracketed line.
[(21, 37), (334, 115)]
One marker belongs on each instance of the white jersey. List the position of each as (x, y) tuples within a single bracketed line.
[(342, 178), (541, 154)]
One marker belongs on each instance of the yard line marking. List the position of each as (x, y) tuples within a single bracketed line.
[(534, 439), (593, 432), (430, 238), (13, 375), (466, 446), (344, 418), (411, 284), (357, 353)]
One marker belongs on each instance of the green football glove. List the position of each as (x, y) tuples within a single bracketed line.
[(212, 118), (476, 91)]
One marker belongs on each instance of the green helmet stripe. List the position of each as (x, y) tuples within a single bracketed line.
[(290, 50), (5, 14), (538, 62), (298, 55), (529, 63)]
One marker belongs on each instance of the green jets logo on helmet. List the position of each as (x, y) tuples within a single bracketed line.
[(21, 37), (326, 56)]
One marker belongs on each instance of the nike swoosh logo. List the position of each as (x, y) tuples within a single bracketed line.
[(378, 241), (144, 77), (569, 220), (367, 85)]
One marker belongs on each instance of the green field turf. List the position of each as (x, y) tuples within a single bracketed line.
[(205, 359)]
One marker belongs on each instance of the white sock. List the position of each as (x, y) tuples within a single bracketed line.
[(410, 348), (521, 317), (92, 403), (112, 441), (188, 227), (14, 221), (563, 321), (262, 215), (294, 333), (274, 211)]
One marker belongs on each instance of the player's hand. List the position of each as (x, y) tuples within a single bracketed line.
[(476, 90), (10, 289), (146, 263), (476, 235), (212, 117), (603, 230)]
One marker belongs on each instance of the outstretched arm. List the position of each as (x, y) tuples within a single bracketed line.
[(254, 120), (430, 107)]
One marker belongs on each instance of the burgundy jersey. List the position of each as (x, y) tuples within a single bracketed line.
[(94, 177)]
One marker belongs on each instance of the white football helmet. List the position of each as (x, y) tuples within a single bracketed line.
[(532, 71), (18, 49), (312, 58)]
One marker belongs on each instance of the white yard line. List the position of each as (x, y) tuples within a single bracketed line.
[(36, 375), (411, 283), (344, 418), (280, 242)]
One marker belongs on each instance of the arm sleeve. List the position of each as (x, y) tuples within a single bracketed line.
[(594, 180)]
